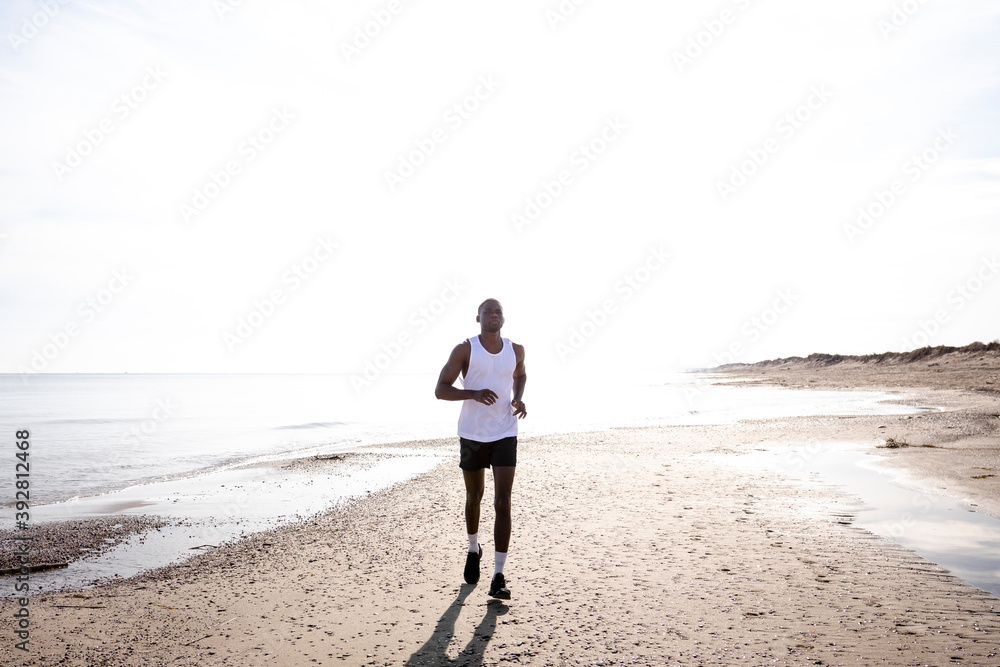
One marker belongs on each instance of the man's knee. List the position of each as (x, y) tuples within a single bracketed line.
[(502, 504), (473, 496)]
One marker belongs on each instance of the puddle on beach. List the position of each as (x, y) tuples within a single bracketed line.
[(943, 530), (220, 506)]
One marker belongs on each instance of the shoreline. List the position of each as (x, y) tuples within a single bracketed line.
[(959, 458), (144, 527), (65, 542), (294, 487), (645, 402), (629, 544)]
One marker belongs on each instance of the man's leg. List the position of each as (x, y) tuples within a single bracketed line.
[(475, 484), (475, 481), (503, 480)]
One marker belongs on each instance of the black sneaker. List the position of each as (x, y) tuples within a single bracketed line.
[(498, 588), (472, 566)]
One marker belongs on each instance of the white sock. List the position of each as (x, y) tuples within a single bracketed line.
[(473, 543), (499, 558)]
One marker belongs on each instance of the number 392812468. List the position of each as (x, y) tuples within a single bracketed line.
[(21, 477)]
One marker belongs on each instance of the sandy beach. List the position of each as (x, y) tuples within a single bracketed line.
[(631, 546), (960, 455)]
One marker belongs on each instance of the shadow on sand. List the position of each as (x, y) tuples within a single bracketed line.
[(434, 650)]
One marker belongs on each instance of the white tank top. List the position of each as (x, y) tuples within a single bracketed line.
[(488, 423)]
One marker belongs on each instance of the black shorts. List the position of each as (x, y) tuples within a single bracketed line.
[(479, 455)]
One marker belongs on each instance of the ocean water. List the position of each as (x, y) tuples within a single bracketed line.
[(197, 449), (96, 434), (93, 434)]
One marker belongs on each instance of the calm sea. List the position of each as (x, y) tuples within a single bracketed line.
[(183, 446), (94, 434)]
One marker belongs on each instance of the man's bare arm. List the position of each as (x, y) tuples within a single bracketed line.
[(520, 378), (446, 389)]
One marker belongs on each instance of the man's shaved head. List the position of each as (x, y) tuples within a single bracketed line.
[(479, 311)]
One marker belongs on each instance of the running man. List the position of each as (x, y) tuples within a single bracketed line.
[(492, 372)]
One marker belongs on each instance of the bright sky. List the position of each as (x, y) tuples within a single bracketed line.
[(259, 186)]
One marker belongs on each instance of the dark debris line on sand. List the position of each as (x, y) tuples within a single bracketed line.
[(68, 541)]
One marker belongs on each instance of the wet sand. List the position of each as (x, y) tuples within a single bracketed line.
[(69, 541), (630, 547), (956, 453)]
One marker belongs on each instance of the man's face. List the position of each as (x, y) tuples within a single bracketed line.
[(491, 316)]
